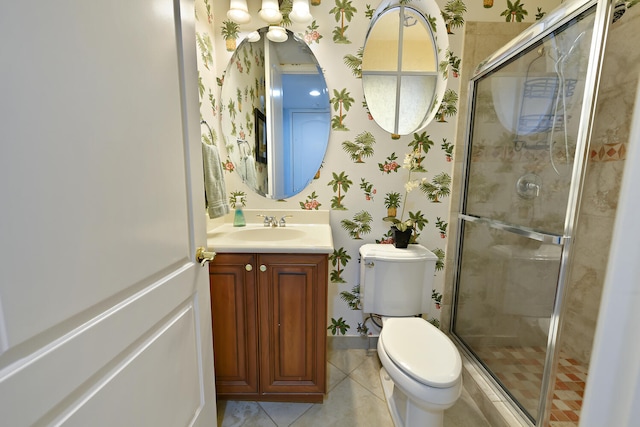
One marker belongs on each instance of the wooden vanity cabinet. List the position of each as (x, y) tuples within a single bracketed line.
[(235, 324), (269, 326)]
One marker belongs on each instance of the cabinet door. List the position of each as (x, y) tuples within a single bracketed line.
[(233, 312), (293, 303)]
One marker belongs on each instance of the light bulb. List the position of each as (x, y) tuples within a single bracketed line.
[(277, 34), (238, 12), (253, 36), (300, 12), (270, 12)]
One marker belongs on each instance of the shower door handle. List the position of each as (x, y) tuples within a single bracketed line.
[(521, 231)]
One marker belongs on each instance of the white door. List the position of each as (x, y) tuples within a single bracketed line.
[(104, 315), (310, 131)]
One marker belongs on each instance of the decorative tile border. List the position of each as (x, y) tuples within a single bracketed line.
[(609, 152)]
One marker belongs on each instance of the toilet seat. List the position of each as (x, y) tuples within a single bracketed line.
[(422, 351)]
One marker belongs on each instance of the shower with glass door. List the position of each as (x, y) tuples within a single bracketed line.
[(531, 107)]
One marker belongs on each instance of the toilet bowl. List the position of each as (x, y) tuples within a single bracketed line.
[(421, 367), (421, 371)]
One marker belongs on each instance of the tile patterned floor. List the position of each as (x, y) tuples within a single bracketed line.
[(568, 394), (355, 398), (520, 370)]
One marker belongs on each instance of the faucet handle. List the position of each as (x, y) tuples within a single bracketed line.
[(268, 220), (283, 223)]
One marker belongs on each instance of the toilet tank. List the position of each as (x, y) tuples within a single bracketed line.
[(396, 282)]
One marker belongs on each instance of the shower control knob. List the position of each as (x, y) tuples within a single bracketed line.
[(528, 186)]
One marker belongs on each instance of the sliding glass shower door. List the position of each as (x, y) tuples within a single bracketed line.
[(524, 131)]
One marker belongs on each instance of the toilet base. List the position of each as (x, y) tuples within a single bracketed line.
[(402, 412)]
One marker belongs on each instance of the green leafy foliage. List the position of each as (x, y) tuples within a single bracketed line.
[(514, 12), (361, 147), (339, 258), (338, 327), (361, 224), (438, 187), (352, 298), (440, 262), (341, 103), (339, 183)]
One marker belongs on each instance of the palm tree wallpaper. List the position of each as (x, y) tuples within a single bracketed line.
[(362, 162), (360, 147), (343, 12), (341, 103), (515, 12)]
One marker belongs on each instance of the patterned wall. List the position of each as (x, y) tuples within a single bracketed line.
[(362, 167), (245, 91)]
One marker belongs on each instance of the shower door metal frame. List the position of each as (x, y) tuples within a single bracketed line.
[(529, 37)]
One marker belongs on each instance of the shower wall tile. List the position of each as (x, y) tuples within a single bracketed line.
[(614, 115), (602, 188), (611, 131), (584, 287)]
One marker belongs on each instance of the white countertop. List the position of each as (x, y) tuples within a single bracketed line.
[(305, 232)]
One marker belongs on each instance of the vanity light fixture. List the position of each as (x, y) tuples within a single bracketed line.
[(270, 12)]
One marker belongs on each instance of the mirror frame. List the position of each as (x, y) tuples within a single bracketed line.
[(432, 15), (265, 138)]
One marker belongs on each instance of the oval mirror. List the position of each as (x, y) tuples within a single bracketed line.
[(275, 115), (401, 81)]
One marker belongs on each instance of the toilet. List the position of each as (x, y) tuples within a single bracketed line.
[(421, 370)]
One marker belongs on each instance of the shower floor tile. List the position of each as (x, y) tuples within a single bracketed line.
[(520, 370), (568, 393)]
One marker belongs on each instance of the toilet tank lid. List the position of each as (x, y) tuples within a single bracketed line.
[(422, 351), (390, 252)]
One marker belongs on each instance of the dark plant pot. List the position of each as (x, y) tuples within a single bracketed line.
[(401, 238)]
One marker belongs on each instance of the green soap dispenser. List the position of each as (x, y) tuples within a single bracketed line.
[(238, 217)]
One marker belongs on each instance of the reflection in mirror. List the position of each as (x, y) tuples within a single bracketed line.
[(400, 66), (275, 115)]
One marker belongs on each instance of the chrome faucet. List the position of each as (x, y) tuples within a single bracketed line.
[(269, 221), (283, 223), (272, 221)]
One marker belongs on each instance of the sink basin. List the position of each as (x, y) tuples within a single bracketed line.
[(305, 232), (267, 234)]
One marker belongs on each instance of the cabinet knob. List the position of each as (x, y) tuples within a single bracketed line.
[(263, 268), (248, 267)]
